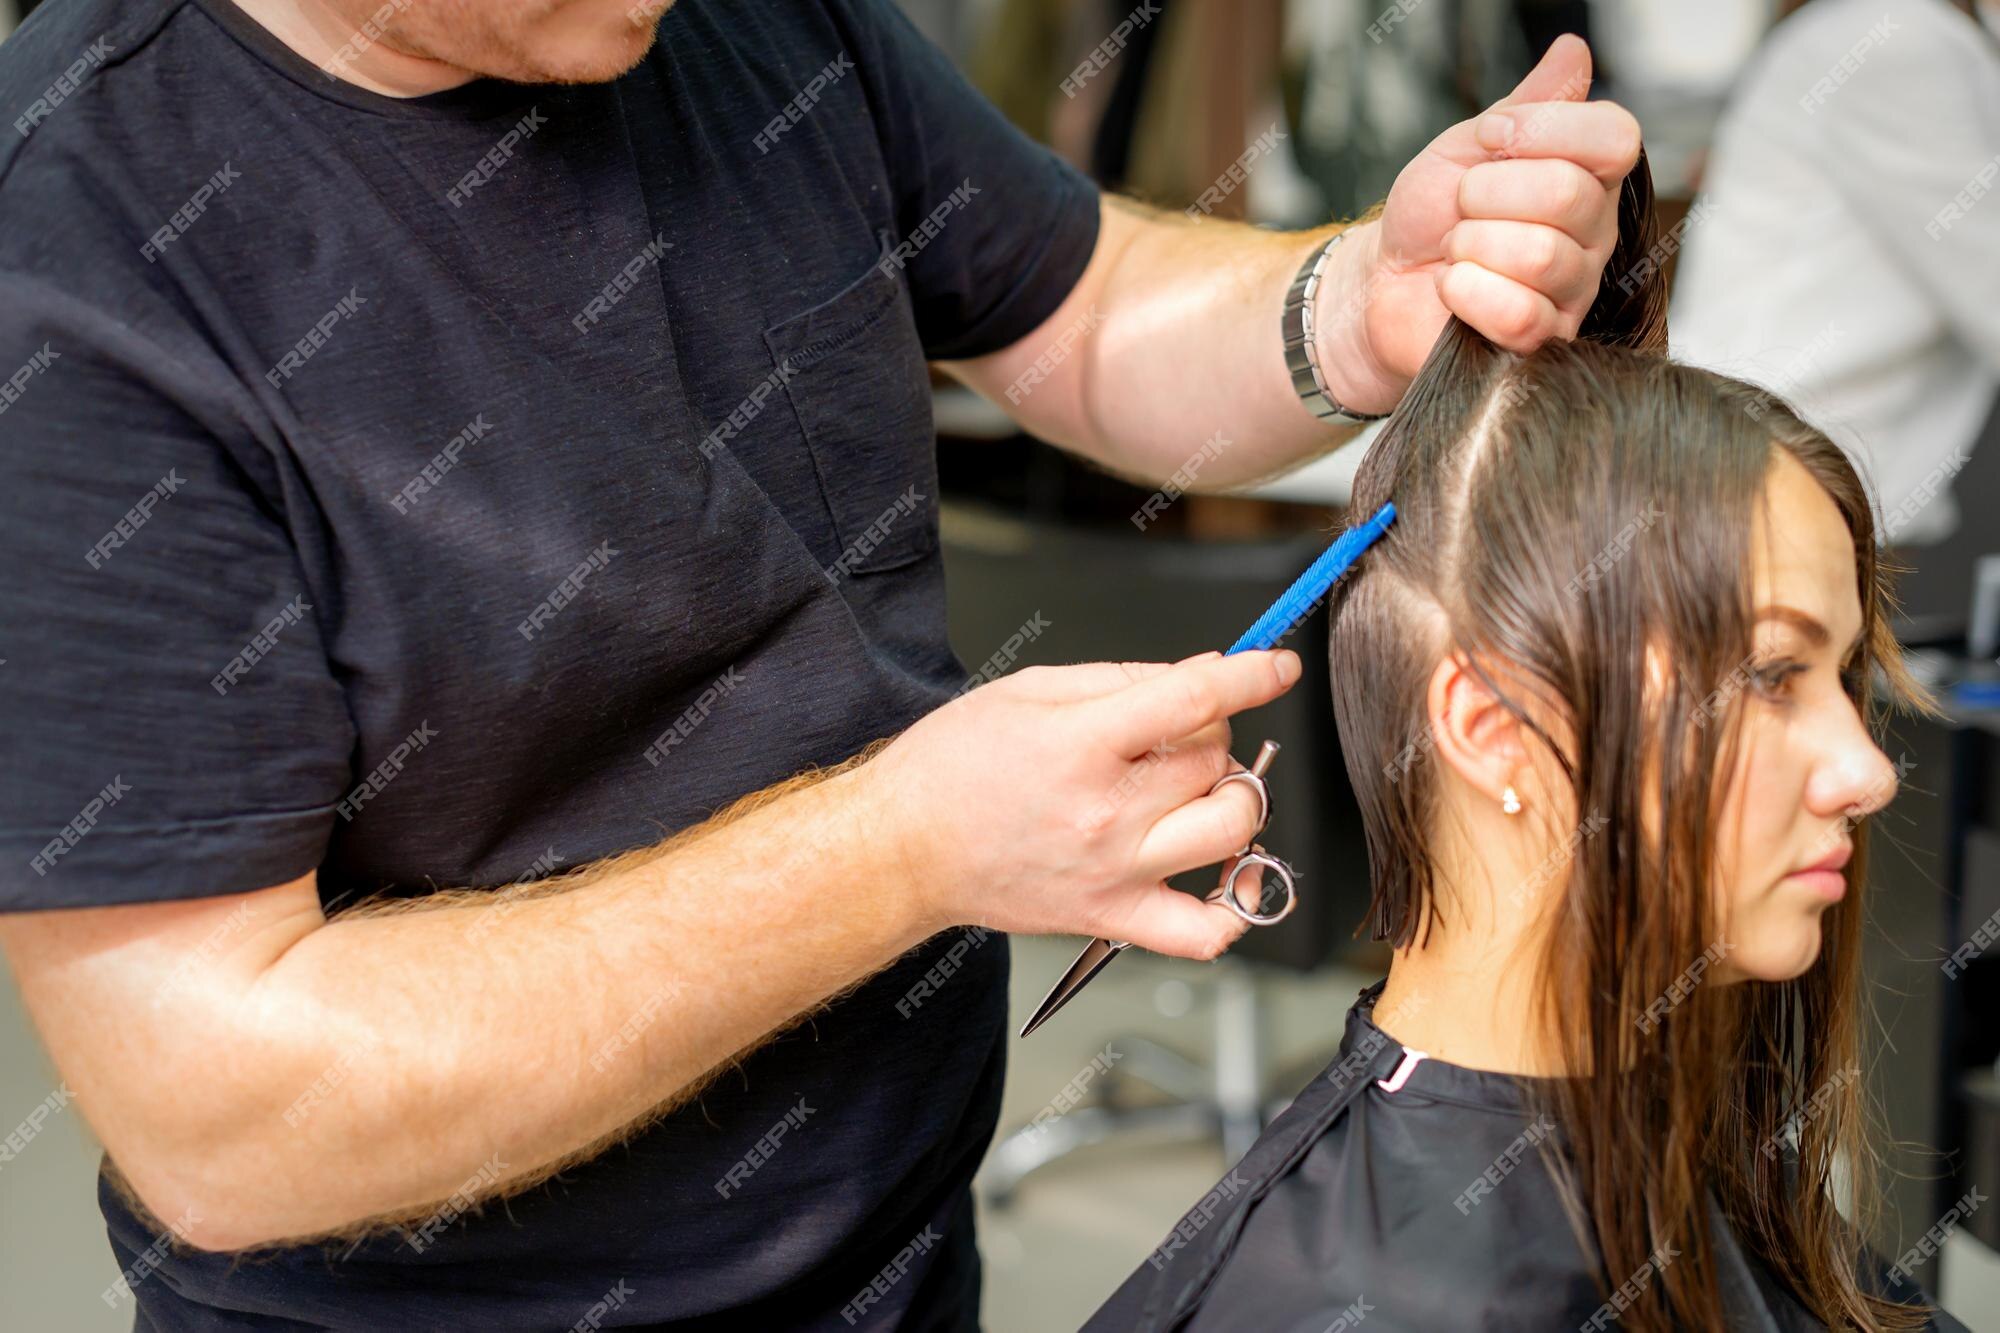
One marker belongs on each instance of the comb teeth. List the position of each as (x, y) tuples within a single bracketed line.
[(1299, 600)]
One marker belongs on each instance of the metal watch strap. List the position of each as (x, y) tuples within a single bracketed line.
[(1302, 348)]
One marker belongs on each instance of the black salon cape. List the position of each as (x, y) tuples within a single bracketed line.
[(1423, 1209)]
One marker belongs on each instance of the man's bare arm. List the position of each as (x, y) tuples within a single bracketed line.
[(268, 1074), (1169, 341), (299, 1075)]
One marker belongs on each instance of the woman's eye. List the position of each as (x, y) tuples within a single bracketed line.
[(1771, 679)]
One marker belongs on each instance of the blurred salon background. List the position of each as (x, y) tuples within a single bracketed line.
[(1824, 171)]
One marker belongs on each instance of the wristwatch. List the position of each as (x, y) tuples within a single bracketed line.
[(1302, 350)]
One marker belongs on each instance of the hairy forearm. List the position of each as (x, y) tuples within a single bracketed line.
[(1177, 362), (260, 1073), (384, 1060)]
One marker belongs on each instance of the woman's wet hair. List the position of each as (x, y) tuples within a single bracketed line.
[(1575, 525)]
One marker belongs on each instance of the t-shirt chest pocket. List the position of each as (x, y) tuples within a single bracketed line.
[(853, 370)]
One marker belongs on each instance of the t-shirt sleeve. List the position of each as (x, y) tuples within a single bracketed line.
[(170, 726), (994, 229)]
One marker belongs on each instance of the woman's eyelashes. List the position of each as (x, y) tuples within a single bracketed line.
[(1772, 678), (1775, 678)]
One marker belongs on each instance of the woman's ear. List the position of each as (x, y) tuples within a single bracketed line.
[(1477, 736)]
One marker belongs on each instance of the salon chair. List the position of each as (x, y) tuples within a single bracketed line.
[(1110, 595)]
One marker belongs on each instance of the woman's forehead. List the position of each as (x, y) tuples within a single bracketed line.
[(1802, 552)]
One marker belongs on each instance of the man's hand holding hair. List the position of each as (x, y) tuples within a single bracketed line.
[(1505, 220)]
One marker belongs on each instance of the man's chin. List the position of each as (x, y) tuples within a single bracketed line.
[(596, 55)]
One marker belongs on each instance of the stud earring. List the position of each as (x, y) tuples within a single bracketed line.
[(1509, 802)]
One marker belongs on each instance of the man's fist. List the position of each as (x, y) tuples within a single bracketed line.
[(1505, 221)]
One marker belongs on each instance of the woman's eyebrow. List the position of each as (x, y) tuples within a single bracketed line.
[(1816, 634)]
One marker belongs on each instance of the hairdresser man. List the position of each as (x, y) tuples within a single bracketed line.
[(461, 448)]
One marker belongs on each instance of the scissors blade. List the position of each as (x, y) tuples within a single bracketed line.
[(1087, 965)]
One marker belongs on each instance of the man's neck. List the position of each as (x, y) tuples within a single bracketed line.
[(337, 36)]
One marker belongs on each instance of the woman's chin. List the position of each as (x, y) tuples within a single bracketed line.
[(1778, 952)]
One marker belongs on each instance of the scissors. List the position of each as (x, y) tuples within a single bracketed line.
[(1097, 953), (1283, 616)]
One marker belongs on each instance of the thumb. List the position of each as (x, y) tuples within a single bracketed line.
[(1562, 75), (1164, 920)]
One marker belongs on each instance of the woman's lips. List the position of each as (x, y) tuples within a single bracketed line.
[(1823, 876)]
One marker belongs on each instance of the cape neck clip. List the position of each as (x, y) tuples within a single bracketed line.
[(1404, 1068)]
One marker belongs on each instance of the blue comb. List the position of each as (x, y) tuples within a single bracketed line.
[(1315, 583)]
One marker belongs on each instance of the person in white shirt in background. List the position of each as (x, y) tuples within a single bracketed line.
[(1845, 253)]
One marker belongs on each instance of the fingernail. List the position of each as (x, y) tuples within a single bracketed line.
[(1494, 131), (1289, 666)]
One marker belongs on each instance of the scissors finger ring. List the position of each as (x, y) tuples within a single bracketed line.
[(1254, 780), (1253, 777), (1226, 894)]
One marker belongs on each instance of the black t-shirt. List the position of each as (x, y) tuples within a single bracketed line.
[(438, 492)]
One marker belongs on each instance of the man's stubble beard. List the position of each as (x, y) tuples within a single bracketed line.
[(461, 33)]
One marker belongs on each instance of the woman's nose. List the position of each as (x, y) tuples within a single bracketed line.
[(1855, 778)]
